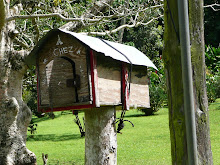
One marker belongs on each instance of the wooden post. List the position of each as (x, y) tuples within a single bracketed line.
[(45, 158), (101, 136)]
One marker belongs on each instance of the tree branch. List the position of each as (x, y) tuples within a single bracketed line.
[(50, 15), (36, 30), (212, 6), (94, 10), (23, 44), (2, 14), (157, 6), (135, 24)]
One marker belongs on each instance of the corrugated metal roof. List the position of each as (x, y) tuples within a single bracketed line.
[(114, 50)]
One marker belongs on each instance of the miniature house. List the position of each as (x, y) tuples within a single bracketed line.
[(75, 71)]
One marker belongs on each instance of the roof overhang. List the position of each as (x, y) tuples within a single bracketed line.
[(114, 50)]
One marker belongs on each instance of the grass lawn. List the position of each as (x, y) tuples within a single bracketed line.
[(214, 117), (147, 143)]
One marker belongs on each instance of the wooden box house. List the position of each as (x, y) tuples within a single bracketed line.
[(75, 71)]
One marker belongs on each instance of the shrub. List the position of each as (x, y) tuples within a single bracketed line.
[(157, 88), (213, 86), (29, 92), (212, 57)]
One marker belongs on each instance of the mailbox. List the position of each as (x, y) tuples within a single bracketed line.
[(75, 71)]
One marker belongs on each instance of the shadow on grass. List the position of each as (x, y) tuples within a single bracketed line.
[(37, 120), (214, 106), (58, 162), (40, 119), (53, 137), (139, 115)]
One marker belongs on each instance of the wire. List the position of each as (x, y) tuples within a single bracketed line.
[(125, 57), (173, 23), (116, 50)]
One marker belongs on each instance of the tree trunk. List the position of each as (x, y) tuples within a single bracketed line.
[(196, 17), (101, 136), (14, 114), (172, 61)]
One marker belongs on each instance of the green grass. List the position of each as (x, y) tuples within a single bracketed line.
[(148, 143), (214, 117), (59, 138)]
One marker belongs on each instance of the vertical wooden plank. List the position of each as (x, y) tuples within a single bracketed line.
[(94, 79), (38, 90), (125, 86), (138, 94)]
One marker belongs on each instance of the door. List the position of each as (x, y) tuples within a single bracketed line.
[(61, 92)]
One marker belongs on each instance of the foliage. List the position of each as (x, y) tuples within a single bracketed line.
[(32, 128), (213, 73), (57, 2), (148, 39), (212, 24), (212, 58), (30, 90), (31, 30), (213, 86), (108, 18), (158, 92)]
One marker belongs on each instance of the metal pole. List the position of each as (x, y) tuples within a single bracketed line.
[(187, 82)]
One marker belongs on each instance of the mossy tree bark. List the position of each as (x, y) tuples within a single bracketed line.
[(172, 60), (196, 16), (14, 113)]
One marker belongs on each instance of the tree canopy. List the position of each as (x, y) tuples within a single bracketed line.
[(107, 17), (134, 22)]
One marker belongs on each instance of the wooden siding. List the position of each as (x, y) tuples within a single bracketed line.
[(109, 80), (55, 67), (139, 90), (109, 83)]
